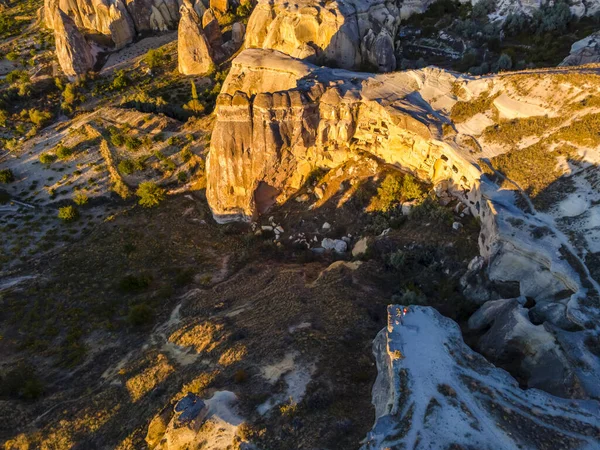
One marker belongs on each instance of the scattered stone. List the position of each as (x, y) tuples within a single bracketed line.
[(334, 244), (326, 226), (457, 226), (361, 247)]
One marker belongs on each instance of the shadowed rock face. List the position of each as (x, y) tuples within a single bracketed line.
[(348, 34), (434, 392), (73, 51)]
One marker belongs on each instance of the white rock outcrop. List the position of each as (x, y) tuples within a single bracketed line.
[(433, 391), (195, 55)]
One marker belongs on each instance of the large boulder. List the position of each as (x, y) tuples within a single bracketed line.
[(348, 34), (585, 51), (194, 53), (74, 53)]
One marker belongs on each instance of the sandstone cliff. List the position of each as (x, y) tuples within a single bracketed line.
[(73, 51), (348, 34)]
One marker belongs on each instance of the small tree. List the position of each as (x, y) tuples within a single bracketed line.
[(194, 105), (6, 176), (63, 152), (47, 158), (150, 194), (68, 213), (154, 58), (80, 198)]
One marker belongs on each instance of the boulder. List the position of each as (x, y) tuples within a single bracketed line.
[(338, 245), (194, 53), (361, 247), (220, 5), (189, 414), (585, 51), (74, 53), (238, 31)]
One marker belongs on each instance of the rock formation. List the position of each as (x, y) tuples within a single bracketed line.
[(117, 20), (585, 51), (433, 392), (348, 34), (73, 51), (195, 54), (279, 118)]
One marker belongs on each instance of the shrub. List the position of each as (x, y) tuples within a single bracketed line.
[(132, 143), (120, 81), (129, 166), (68, 213), (132, 283), (39, 118), (80, 198), (394, 189), (47, 158), (63, 152), (462, 111), (6, 176), (70, 94), (194, 104), (430, 209), (21, 382), (140, 315), (150, 194), (182, 177), (3, 118), (155, 58)]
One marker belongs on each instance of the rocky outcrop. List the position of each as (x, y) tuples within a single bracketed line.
[(73, 51), (349, 34), (108, 18), (433, 392), (279, 118), (118, 21), (585, 51), (195, 54)]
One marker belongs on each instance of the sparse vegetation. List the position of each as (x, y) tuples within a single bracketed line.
[(68, 213), (6, 176), (150, 194), (464, 110)]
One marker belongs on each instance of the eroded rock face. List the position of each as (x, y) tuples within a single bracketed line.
[(108, 18), (195, 54), (118, 20), (432, 390), (347, 34), (73, 51), (279, 118), (585, 51)]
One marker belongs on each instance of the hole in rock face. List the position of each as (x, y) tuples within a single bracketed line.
[(264, 197)]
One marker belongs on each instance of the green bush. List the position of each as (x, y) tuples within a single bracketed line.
[(39, 118), (129, 166), (431, 210), (395, 189), (6, 176), (80, 198), (150, 194), (120, 81), (132, 143), (63, 152), (47, 158), (140, 315), (21, 382), (132, 283), (68, 213), (155, 58)]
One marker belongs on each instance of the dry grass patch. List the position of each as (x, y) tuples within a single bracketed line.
[(233, 354), (203, 337), (512, 131), (462, 111), (144, 382)]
